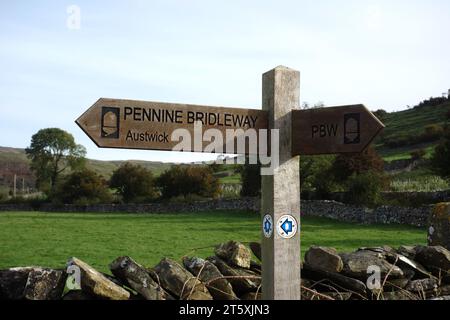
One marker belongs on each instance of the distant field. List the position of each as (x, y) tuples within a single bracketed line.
[(49, 239), (389, 155)]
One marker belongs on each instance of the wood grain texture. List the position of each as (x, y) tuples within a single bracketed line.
[(281, 191), (330, 130), (98, 123)]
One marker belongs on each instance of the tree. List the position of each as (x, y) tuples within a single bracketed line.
[(310, 167), (183, 180), (440, 159), (52, 151), (418, 154), (83, 187), (348, 164), (315, 173), (365, 188), (381, 114), (133, 182), (251, 180)]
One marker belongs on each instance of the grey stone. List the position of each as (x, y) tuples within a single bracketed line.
[(13, 282), (399, 295), (357, 263), (95, 283), (136, 277), (334, 279), (324, 258), (395, 284), (444, 290), (412, 268), (180, 282), (446, 298), (435, 258), (234, 253), (219, 287), (251, 296), (339, 295), (256, 249), (313, 294), (242, 280), (255, 267), (439, 226), (408, 251), (45, 284), (422, 285)]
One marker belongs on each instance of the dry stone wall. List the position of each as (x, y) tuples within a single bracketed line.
[(315, 208), (405, 273)]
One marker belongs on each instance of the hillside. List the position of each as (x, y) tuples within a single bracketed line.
[(407, 123), (399, 125), (14, 161)]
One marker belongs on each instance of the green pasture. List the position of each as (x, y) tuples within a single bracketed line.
[(50, 239)]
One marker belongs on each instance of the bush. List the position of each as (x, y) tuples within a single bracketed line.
[(311, 168), (324, 184), (418, 154), (133, 183), (251, 180), (346, 165), (182, 180), (380, 114), (82, 187), (433, 102), (440, 159), (3, 197), (365, 188)]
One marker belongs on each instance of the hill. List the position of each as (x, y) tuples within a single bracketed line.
[(407, 124), (399, 125), (14, 161)]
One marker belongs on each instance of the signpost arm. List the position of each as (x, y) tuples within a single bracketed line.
[(281, 191)]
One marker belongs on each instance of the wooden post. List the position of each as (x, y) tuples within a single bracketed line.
[(281, 191)]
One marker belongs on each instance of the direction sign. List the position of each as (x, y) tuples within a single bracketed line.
[(131, 124), (333, 130)]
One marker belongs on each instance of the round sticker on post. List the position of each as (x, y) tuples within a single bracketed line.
[(267, 225), (287, 226)]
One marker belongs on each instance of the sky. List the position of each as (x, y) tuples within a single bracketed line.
[(58, 57)]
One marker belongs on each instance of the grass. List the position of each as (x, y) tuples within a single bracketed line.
[(49, 239), (389, 155), (420, 179), (232, 179)]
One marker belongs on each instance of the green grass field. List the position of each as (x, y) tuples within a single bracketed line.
[(49, 239)]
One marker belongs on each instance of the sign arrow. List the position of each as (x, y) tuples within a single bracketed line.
[(343, 129), (132, 124)]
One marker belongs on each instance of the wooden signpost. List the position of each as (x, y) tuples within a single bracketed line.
[(133, 124), (333, 130)]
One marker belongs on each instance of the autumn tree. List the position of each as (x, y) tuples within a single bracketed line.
[(133, 182), (183, 180), (83, 187)]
